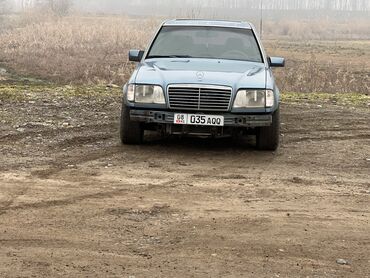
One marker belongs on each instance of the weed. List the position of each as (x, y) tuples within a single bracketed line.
[(93, 50)]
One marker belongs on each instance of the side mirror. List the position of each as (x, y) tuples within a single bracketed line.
[(135, 55), (276, 62)]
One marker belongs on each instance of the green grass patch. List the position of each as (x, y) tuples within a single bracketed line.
[(20, 92), (339, 98)]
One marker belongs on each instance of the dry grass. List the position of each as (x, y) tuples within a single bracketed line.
[(323, 66), (318, 29), (75, 49), (313, 76), (93, 50)]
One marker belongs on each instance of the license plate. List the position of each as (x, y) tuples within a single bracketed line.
[(196, 119)]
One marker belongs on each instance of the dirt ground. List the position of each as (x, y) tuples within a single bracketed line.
[(75, 203)]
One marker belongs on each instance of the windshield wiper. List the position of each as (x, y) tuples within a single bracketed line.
[(169, 56)]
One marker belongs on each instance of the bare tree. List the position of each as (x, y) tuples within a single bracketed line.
[(4, 6), (60, 7)]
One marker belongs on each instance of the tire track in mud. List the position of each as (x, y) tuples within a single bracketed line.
[(305, 131), (70, 246), (4, 206), (34, 242), (59, 164), (75, 247), (329, 138), (83, 140), (79, 198), (75, 137), (65, 202), (54, 132)]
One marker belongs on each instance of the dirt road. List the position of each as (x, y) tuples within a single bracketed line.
[(74, 203)]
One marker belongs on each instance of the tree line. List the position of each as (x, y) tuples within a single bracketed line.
[(62, 6), (339, 5)]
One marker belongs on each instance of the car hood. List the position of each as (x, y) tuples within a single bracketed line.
[(235, 74)]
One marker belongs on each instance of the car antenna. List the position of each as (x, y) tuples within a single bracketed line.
[(261, 19)]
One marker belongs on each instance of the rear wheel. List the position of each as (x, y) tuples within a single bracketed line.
[(131, 132), (268, 137)]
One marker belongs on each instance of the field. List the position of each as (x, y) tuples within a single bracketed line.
[(93, 50), (75, 203)]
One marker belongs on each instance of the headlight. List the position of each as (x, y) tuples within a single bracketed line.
[(146, 94), (131, 92), (254, 99), (270, 98)]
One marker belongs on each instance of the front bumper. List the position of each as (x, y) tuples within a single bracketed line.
[(231, 120)]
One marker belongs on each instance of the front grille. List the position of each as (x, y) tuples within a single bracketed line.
[(199, 98)]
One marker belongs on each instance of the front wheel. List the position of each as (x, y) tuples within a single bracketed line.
[(268, 137), (131, 132)]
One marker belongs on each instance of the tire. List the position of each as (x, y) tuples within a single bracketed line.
[(268, 137), (131, 133)]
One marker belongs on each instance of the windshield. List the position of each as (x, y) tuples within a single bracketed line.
[(206, 42)]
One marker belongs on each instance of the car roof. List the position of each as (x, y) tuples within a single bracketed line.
[(207, 23)]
